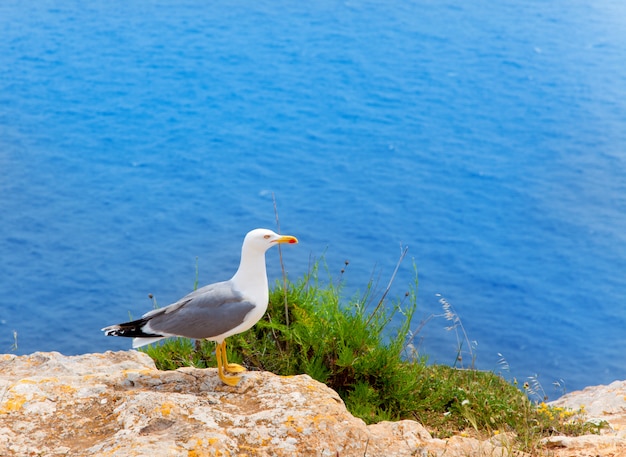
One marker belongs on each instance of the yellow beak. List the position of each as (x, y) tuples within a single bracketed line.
[(287, 239)]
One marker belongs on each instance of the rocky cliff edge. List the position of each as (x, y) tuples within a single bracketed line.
[(119, 404)]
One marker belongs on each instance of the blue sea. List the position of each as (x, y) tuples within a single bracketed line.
[(139, 140)]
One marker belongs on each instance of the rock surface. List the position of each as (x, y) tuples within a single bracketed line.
[(119, 404), (602, 404)]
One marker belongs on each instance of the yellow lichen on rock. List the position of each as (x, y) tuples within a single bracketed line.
[(14, 403), (166, 408)]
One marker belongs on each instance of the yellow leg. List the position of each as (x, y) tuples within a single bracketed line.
[(220, 355), (230, 367)]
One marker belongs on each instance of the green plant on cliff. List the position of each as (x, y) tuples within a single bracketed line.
[(357, 349)]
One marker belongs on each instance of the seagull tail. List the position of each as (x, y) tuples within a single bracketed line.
[(138, 342), (136, 330)]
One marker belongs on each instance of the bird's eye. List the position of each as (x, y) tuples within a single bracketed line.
[(267, 237)]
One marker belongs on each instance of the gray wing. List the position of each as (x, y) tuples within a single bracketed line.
[(204, 313)]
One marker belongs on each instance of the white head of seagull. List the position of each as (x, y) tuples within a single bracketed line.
[(216, 311), (252, 274)]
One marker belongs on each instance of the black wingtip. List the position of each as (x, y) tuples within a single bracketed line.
[(133, 329)]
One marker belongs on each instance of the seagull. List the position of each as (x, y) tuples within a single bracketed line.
[(216, 311)]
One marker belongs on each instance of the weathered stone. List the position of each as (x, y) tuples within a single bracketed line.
[(119, 404), (602, 404)]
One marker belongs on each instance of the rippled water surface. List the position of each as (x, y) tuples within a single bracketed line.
[(490, 139)]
